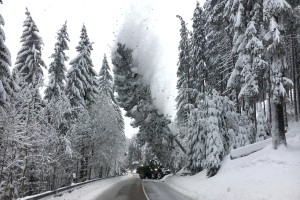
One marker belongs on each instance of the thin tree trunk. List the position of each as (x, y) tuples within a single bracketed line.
[(2, 165), (255, 122), (53, 186), (278, 133), (11, 189), (294, 78)]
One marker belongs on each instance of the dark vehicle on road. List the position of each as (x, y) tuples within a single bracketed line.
[(152, 171)]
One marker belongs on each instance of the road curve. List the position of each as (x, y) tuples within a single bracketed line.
[(135, 188)]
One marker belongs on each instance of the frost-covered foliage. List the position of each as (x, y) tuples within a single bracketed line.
[(97, 137), (250, 66), (134, 151), (261, 128), (211, 132), (214, 144), (81, 88), (6, 90), (58, 68), (245, 133)]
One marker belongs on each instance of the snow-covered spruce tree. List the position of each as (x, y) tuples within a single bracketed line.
[(81, 87), (186, 94), (29, 70), (106, 88), (227, 127), (198, 76), (82, 90), (9, 139), (198, 71), (125, 79), (292, 49), (274, 12), (237, 13), (135, 98), (57, 69), (219, 41), (5, 77), (106, 80), (214, 144), (57, 111), (251, 52), (197, 137), (29, 60), (6, 90)]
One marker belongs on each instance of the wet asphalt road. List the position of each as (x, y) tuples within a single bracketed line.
[(132, 189)]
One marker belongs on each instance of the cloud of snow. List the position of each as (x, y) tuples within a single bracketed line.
[(151, 29)]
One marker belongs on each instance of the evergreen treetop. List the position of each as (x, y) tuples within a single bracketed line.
[(58, 68), (106, 79), (29, 59), (81, 87)]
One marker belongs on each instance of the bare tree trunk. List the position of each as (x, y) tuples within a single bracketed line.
[(278, 132), (255, 122), (77, 171), (53, 185), (294, 61), (2, 165), (10, 189)]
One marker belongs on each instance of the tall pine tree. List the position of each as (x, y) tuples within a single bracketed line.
[(58, 68), (6, 90), (81, 88), (274, 12), (106, 88), (29, 70)]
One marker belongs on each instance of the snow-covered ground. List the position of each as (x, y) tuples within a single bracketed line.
[(90, 191), (264, 175)]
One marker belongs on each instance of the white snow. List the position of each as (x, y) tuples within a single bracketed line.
[(90, 191), (264, 175), (248, 149)]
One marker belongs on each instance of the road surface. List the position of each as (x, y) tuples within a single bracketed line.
[(138, 189)]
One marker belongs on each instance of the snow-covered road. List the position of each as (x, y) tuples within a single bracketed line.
[(129, 187), (156, 190), (138, 189)]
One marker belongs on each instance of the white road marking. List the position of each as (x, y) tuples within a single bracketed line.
[(145, 191)]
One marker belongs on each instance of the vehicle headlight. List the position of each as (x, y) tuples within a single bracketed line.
[(155, 169)]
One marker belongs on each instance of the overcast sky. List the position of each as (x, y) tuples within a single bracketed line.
[(149, 26)]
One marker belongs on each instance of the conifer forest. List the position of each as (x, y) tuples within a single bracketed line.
[(238, 82)]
